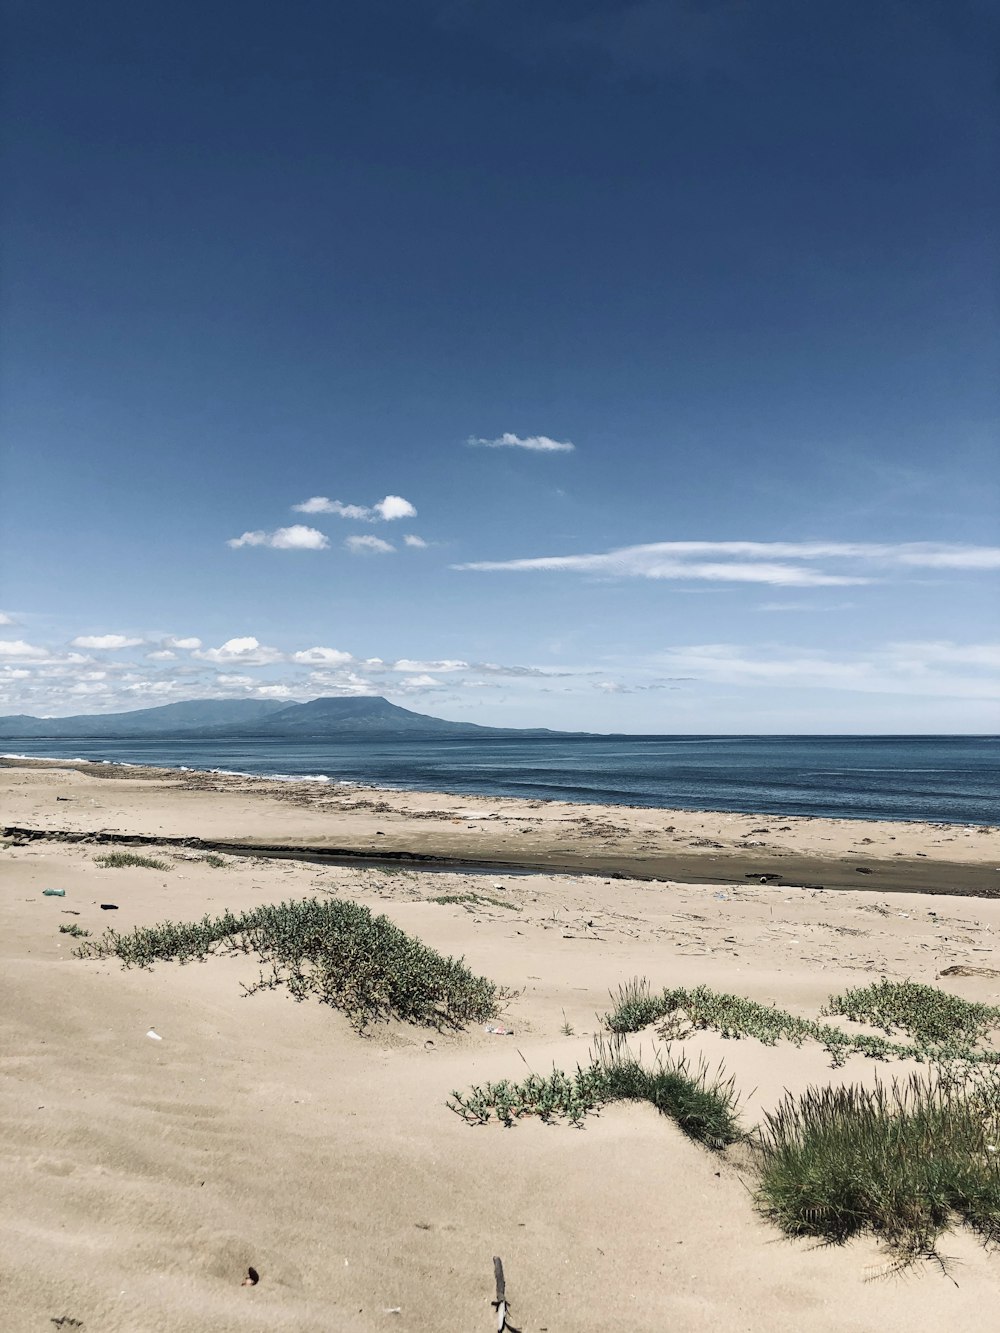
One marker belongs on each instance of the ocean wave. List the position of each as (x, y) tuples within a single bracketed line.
[(45, 758)]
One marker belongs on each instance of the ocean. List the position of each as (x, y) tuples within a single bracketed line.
[(946, 779)]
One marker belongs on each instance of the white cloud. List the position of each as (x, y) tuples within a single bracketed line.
[(244, 652), (296, 538), (323, 657), (172, 642), (15, 673), (537, 443), (389, 508), (245, 681), (274, 692), (319, 504), (18, 650), (105, 641), (414, 684), (394, 506), (5, 619), (162, 655), (359, 545), (752, 562), (412, 540)]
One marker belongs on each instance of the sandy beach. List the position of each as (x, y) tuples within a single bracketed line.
[(140, 1178)]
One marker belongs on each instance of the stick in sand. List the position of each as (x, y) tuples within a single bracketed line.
[(500, 1304)]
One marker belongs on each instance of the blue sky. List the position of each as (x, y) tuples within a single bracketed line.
[(286, 287)]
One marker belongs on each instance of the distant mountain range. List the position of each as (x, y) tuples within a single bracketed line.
[(245, 719)]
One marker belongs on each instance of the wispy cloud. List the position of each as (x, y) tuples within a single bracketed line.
[(108, 642), (755, 562), (296, 538), (940, 669), (389, 508), (368, 545), (407, 664), (5, 619), (411, 539), (540, 444), (171, 641), (319, 504)]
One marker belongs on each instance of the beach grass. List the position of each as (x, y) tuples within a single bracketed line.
[(702, 1103), (942, 1027), (901, 1162), (337, 952), (130, 860)]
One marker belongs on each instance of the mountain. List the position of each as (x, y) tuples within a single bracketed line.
[(167, 720), (236, 719)]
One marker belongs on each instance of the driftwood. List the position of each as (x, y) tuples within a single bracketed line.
[(500, 1304)]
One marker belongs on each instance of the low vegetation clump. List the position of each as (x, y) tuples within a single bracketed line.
[(125, 860), (703, 1104), (337, 951), (901, 1163), (216, 862), (925, 1013), (734, 1016), (474, 900), (73, 929)]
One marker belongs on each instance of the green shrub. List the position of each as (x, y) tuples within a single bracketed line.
[(73, 929), (337, 951)]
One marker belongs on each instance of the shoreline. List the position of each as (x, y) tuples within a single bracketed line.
[(356, 825)]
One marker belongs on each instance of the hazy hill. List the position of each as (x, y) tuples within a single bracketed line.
[(234, 719)]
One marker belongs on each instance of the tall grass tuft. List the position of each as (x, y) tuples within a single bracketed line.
[(337, 951), (900, 1163)]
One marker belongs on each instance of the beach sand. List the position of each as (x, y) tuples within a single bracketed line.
[(140, 1178)]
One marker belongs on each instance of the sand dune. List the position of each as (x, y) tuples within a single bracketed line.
[(140, 1178)]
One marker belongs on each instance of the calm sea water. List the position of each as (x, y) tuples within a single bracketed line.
[(952, 779)]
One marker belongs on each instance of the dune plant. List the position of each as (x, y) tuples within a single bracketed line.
[(900, 1162), (703, 1103), (925, 1013), (130, 860), (339, 952), (474, 900), (734, 1017)]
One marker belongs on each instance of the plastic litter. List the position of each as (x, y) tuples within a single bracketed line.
[(498, 1031), (54, 893), (109, 907), (251, 1279), (155, 1035)]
